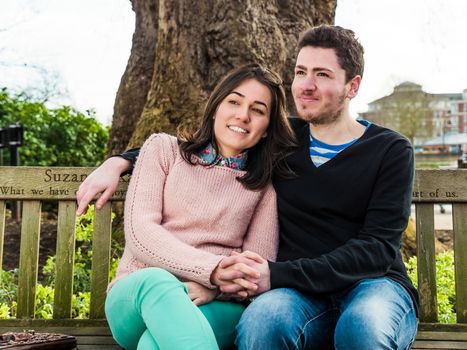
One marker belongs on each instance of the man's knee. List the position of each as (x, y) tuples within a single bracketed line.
[(282, 319), (381, 316), (269, 311), (360, 330), (268, 320)]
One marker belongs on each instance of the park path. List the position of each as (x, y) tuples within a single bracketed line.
[(443, 221)]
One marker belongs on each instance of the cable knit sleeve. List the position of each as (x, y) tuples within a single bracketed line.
[(149, 242), (263, 232)]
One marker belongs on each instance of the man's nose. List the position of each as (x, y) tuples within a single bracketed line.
[(308, 83)]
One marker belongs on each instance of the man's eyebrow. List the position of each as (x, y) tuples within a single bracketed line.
[(256, 101), (315, 69)]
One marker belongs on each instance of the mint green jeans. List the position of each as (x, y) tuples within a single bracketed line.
[(150, 309)]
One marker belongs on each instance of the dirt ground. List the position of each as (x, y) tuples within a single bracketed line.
[(48, 240)]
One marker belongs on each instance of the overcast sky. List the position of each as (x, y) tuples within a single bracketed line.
[(83, 46)]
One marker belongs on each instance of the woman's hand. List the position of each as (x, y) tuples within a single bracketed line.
[(238, 274), (103, 180), (199, 294)]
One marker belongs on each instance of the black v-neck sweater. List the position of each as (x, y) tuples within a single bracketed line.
[(342, 222)]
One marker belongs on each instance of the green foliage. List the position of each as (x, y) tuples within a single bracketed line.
[(81, 281), (44, 302), (444, 284), (82, 267), (54, 137), (4, 311), (80, 304), (8, 292)]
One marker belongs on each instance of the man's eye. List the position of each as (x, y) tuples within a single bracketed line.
[(299, 72), (322, 74)]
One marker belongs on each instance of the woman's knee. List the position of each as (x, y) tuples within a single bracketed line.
[(147, 342), (124, 302), (155, 274), (151, 279), (125, 322)]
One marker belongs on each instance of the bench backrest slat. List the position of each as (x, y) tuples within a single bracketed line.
[(47, 183), (29, 258), (425, 228), (2, 230), (100, 259), (440, 186), (459, 211), (65, 258)]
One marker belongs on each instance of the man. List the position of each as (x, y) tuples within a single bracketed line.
[(339, 281)]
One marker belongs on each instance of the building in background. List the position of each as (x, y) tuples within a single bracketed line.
[(432, 122)]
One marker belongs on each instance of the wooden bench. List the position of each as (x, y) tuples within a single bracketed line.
[(34, 185), (431, 187)]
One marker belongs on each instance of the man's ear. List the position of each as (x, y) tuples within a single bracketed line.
[(354, 85)]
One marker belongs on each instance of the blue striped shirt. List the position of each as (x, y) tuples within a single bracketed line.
[(321, 152)]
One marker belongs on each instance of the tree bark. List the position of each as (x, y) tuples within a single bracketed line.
[(181, 49), (136, 81)]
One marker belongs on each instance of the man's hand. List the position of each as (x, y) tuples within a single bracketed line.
[(238, 273), (104, 179), (263, 282), (246, 274), (199, 294)]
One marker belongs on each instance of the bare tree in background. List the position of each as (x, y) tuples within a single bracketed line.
[(182, 48), (412, 115), (408, 110), (45, 83)]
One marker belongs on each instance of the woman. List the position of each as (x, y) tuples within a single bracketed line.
[(193, 201)]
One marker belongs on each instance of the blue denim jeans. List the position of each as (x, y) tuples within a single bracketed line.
[(376, 314)]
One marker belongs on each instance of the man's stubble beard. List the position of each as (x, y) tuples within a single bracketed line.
[(327, 117)]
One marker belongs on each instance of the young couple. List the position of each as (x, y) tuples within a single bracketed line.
[(308, 217)]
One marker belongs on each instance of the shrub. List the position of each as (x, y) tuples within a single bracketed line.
[(54, 137), (444, 283), (81, 282), (82, 266), (8, 293)]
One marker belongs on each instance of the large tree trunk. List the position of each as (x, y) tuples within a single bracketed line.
[(182, 48), (136, 81)]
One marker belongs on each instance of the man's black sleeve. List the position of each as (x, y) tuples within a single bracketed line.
[(130, 155)]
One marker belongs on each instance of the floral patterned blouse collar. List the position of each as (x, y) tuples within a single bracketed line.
[(209, 157)]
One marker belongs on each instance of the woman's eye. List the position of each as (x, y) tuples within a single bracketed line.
[(233, 102), (258, 110)]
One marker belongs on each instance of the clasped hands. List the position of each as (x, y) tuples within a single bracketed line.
[(242, 274)]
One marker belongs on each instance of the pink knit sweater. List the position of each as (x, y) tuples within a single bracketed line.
[(185, 218)]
